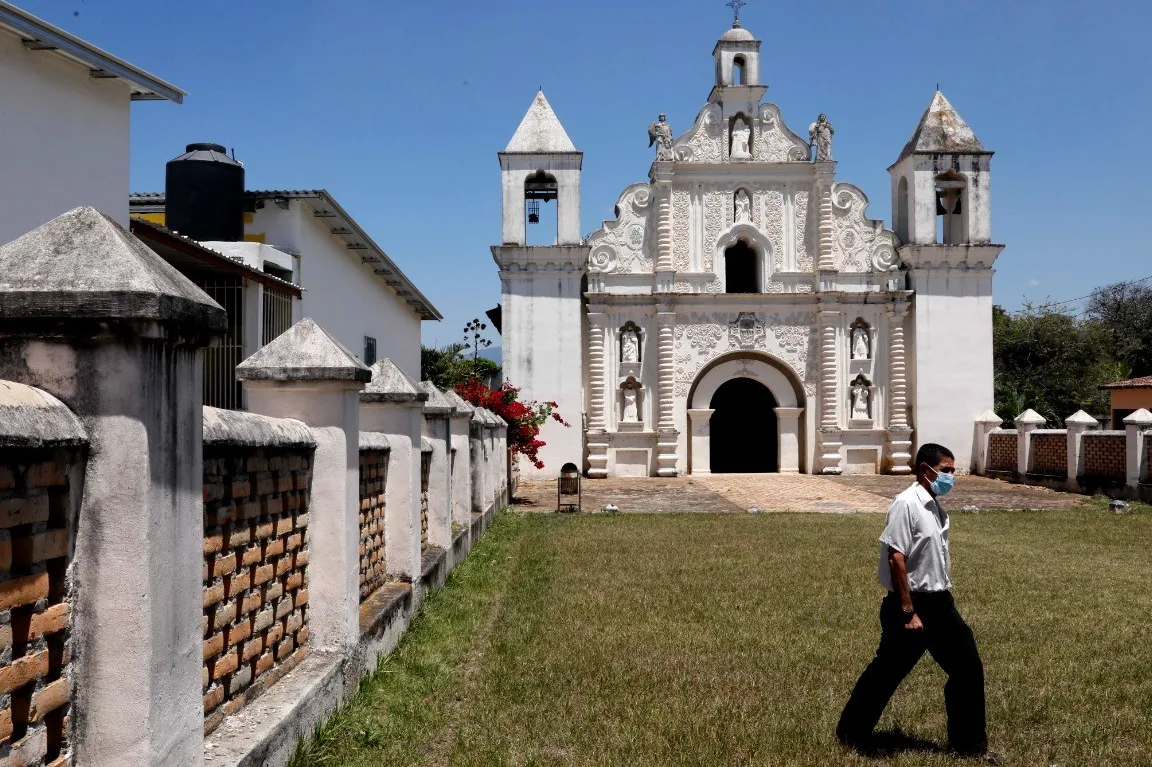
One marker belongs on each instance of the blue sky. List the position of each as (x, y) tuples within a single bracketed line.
[(398, 109)]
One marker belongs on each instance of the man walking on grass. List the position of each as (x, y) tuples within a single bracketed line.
[(919, 614)]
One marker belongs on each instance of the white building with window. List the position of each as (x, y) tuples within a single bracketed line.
[(348, 284), (64, 123), (742, 313)]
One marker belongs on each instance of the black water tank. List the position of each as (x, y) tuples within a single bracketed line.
[(204, 191)]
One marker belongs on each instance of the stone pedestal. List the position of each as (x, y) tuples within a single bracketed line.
[(699, 422), (392, 404), (95, 318), (1076, 424), (307, 375), (985, 425), (1135, 427), (437, 412), (788, 431), (1026, 423), (831, 440), (460, 459)]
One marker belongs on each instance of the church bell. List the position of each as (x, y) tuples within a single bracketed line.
[(533, 211)]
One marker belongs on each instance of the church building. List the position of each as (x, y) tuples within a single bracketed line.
[(742, 313)]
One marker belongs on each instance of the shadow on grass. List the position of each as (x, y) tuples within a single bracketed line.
[(885, 744)]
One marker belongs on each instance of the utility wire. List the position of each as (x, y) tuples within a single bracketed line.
[(1094, 292)]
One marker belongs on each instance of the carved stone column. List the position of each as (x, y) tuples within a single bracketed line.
[(667, 436), (830, 439), (899, 429), (598, 401), (824, 180), (661, 179)]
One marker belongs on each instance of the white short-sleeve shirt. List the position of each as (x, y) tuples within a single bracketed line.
[(917, 527)]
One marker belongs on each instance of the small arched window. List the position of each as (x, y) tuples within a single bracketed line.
[(739, 76), (741, 269), (902, 209)]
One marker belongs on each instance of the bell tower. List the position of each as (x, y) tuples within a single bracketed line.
[(941, 206), (541, 285)]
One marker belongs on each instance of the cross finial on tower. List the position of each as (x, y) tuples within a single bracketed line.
[(736, 5)]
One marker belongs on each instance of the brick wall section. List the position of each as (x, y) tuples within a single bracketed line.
[(35, 609), (1050, 454), (255, 572), (1148, 454), (425, 478), (1002, 451), (373, 481), (1105, 455)]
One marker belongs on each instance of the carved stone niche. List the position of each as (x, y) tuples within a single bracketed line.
[(740, 146), (860, 340), (861, 403), (631, 349), (631, 405)]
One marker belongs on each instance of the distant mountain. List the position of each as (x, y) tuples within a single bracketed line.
[(494, 353)]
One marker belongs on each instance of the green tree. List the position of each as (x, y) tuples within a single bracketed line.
[(1123, 314), (447, 366), (1051, 361)]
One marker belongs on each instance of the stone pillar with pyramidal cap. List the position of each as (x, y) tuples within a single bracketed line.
[(460, 423), (92, 316), (393, 404), (437, 430), (308, 375)]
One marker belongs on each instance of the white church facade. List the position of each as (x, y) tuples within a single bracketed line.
[(742, 313)]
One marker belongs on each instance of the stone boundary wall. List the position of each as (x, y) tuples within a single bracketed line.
[(374, 450), (1080, 457), (1104, 455), (257, 477), (42, 457), (1002, 451), (1050, 453)]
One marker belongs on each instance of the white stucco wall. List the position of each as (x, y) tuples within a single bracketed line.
[(63, 139), (341, 293), (951, 352), (544, 354)]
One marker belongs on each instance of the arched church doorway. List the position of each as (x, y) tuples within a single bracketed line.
[(743, 428)]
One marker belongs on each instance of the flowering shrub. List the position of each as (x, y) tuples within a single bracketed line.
[(524, 418)]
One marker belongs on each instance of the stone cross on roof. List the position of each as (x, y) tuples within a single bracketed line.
[(736, 5)]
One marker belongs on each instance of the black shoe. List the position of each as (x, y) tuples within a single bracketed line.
[(981, 757)]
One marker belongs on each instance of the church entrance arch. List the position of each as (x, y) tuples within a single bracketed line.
[(757, 402), (742, 429)]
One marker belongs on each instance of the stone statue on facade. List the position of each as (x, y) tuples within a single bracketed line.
[(820, 135), (660, 134), (631, 411), (743, 208), (861, 349), (629, 345), (861, 399), (741, 137)]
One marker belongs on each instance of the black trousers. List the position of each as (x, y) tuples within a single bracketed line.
[(949, 640)]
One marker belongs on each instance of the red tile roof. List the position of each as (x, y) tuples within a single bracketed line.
[(1145, 382)]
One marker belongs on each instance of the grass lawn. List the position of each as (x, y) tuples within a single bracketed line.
[(735, 640)]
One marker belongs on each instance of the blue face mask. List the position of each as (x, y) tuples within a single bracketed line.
[(943, 483)]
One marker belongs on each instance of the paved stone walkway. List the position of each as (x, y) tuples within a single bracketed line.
[(720, 493)]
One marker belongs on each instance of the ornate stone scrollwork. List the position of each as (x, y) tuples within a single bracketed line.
[(775, 142), (746, 331), (860, 244), (621, 245), (704, 143)]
